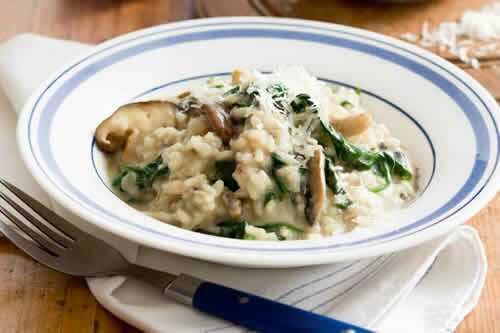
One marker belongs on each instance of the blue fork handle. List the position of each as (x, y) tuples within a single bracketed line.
[(251, 311)]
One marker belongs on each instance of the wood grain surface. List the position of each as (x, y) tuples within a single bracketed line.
[(36, 299), (392, 19)]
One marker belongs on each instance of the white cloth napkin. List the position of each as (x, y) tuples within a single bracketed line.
[(428, 288)]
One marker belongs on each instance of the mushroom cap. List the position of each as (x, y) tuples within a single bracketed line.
[(352, 125), (131, 122)]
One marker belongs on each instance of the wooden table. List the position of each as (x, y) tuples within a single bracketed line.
[(36, 299)]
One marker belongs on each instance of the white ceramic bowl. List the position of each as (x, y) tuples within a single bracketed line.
[(445, 119)]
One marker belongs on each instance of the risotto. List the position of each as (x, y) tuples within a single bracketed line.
[(278, 156)]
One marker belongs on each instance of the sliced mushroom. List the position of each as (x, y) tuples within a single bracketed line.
[(128, 125), (316, 187), (219, 121), (183, 94), (352, 125), (232, 204)]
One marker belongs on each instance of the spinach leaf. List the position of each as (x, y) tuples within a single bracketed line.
[(278, 228), (389, 164), (401, 166), (232, 229), (385, 164), (346, 104), (303, 171), (231, 91), (136, 201), (236, 229), (281, 188), (343, 202), (269, 197), (302, 103), (117, 182), (383, 167), (224, 171), (332, 181), (144, 176), (352, 156), (277, 161), (279, 93), (150, 172), (246, 97), (332, 177)]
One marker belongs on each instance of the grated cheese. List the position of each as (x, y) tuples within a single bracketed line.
[(459, 37)]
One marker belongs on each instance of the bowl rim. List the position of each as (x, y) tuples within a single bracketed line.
[(254, 258)]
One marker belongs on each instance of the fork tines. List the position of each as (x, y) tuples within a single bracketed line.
[(32, 218)]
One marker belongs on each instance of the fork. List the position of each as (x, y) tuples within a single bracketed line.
[(54, 242)]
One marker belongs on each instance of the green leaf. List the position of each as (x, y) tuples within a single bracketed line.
[(385, 164), (249, 237), (232, 229), (281, 188), (224, 171), (150, 172), (117, 182), (302, 103), (144, 175), (245, 97), (346, 104), (237, 229), (279, 93), (248, 99), (136, 201), (402, 166), (352, 156), (332, 180), (275, 226), (332, 177), (277, 161), (278, 228), (269, 197), (389, 164), (231, 91), (343, 203)]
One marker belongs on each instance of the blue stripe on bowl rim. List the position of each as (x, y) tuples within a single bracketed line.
[(471, 112)]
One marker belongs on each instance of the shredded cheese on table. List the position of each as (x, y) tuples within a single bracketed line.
[(475, 34)]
